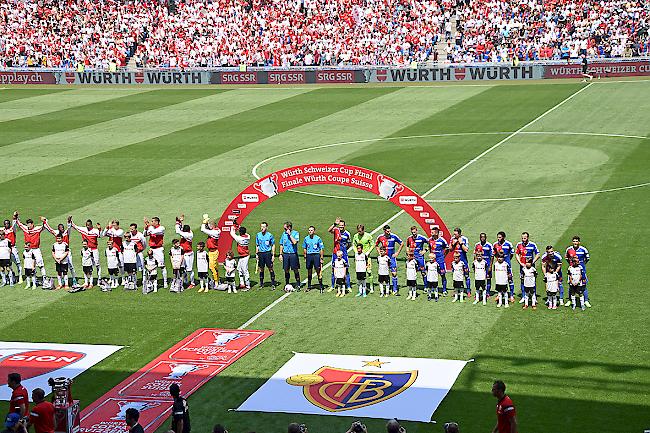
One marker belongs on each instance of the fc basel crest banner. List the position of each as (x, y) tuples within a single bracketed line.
[(357, 386), (37, 362)]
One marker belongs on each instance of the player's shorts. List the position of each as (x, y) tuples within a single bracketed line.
[(264, 259), (87, 270), (61, 268), (383, 279), (188, 261), (159, 255), (230, 279), (549, 294), (502, 288), (153, 277), (203, 275), (313, 261), (29, 272), (442, 266), (340, 281), (290, 261), (479, 284), (130, 268), (576, 290), (113, 271), (459, 284), (420, 260), (5, 263), (38, 257), (530, 290), (361, 276), (411, 283), (432, 284)]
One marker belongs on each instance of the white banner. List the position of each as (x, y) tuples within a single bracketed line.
[(37, 362), (357, 386)]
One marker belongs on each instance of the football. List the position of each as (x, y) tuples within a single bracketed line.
[(288, 288)]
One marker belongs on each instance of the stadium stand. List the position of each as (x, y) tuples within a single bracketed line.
[(213, 33)]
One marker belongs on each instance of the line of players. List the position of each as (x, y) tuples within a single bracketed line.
[(426, 256), (124, 256)]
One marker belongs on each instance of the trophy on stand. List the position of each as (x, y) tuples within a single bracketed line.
[(66, 410)]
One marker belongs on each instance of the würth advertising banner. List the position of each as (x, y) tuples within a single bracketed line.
[(327, 174), (190, 364), (469, 73), (603, 69), (132, 77)]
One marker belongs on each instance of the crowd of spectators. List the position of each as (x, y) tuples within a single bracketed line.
[(214, 33)]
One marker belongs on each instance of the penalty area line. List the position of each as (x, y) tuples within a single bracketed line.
[(432, 189)]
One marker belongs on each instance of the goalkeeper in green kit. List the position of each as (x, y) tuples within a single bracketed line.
[(365, 240)]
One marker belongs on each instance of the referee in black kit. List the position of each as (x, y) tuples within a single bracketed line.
[(180, 411)]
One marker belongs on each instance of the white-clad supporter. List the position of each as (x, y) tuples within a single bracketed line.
[(130, 251), (139, 239), (60, 253), (91, 235), (87, 264), (432, 271), (186, 237), (115, 234), (5, 260), (112, 262), (29, 262), (243, 240), (32, 235), (383, 271), (176, 257), (64, 232), (502, 277), (480, 267), (156, 234), (151, 266), (202, 266), (10, 233)]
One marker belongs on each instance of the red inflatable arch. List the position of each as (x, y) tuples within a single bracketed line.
[(327, 174)]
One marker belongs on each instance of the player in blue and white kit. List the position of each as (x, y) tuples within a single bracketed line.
[(439, 247), (505, 246), (525, 250), (416, 243), (552, 256), (483, 246), (342, 240), (577, 250), (388, 241), (460, 244)]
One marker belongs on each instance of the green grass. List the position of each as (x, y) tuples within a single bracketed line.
[(164, 152)]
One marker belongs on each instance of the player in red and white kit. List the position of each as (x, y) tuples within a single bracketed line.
[(186, 234), (138, 238), (32, 235), (9, 230), (115, 234), (91, 235), (156, 234), (243, 240), (506, 413), (64, 232)]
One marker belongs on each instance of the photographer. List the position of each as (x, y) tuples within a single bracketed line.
[(357, 427), (132, 416), (393, 426), (42, 414), (294, 427), (14, 424)]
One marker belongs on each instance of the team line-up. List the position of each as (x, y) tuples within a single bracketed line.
[(125, 256)]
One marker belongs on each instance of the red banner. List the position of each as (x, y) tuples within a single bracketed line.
[(189, 363), (335, 76), (602, 69), (27, 77), (328, 174)]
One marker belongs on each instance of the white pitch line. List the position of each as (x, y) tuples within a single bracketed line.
[(435, 187)]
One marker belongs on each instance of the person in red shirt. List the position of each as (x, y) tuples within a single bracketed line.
[(19, 402), (506, 413), (42, 414)]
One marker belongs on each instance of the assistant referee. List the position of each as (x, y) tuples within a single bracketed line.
[(265, 252)]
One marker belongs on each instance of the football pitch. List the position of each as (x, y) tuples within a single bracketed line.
[(555, 159)]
